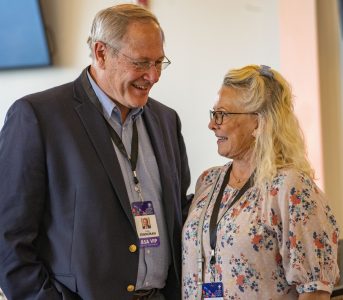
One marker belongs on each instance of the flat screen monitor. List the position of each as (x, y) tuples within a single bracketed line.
[(23, 41)]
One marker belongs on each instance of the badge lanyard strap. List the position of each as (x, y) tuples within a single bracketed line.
[(134, 152), (214, 222), (200, 258)]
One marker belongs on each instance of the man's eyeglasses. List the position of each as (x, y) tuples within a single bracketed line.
[(142, 66), (218, 116)]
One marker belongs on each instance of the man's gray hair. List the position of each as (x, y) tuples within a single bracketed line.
[(110, 24)]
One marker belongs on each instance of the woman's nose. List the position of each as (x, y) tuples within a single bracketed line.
[(212, 124)]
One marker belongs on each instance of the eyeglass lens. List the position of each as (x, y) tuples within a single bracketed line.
[(217, 116)]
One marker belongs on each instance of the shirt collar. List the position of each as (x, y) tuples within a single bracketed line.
[(108, 106)]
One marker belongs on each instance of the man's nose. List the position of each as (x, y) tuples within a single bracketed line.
[(153, 74)]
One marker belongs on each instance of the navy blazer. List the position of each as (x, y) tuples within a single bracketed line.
[(65, 219)]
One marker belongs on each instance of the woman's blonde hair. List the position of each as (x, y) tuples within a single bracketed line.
[(279, 139)]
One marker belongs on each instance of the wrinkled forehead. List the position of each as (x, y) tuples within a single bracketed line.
[(228, 99), (143, 39)]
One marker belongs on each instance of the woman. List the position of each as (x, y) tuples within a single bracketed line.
[(266, 230)]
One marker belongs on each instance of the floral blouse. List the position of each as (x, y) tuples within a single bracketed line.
[(270, 245)]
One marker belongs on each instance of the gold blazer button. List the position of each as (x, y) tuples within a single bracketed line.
[(130, 288), (132, 248)]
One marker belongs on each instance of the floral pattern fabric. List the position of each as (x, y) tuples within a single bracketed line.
[(271, 244)]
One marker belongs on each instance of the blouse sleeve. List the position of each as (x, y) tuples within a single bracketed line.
[(308, 234)]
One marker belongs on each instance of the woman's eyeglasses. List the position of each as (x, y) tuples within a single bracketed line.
[(218, 115)]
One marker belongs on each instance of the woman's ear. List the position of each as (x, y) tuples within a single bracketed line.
[(258, 122)]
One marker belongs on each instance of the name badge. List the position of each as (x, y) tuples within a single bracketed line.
[(146, 225), (213, 290)]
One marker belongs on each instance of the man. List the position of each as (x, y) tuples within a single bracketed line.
[(145, 223), (80, 164)]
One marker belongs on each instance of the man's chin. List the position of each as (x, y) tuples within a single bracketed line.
[(139, 102)]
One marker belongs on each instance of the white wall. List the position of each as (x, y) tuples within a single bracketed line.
[(203, 40)]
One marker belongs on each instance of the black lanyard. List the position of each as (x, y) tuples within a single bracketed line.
[(213, 221), (134, 147)]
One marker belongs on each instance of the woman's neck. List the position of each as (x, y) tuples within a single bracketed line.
[(240, 172)]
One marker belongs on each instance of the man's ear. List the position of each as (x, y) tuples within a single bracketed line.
[(100, 52)]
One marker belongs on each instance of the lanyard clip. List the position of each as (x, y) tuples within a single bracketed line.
[(138, 188), (135, 179), (213, 258)]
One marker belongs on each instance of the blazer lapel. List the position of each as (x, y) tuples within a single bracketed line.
[(157, 140), (90, 113)]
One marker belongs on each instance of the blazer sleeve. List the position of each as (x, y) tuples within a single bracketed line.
[(23, 188)]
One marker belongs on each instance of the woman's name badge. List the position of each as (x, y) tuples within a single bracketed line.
[(213, 290), (146, 225)]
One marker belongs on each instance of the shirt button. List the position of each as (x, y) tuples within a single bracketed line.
[(148, 251), (147, 283), (130, 288), (132, 248)]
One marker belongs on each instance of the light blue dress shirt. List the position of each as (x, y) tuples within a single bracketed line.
[(154, 261)]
